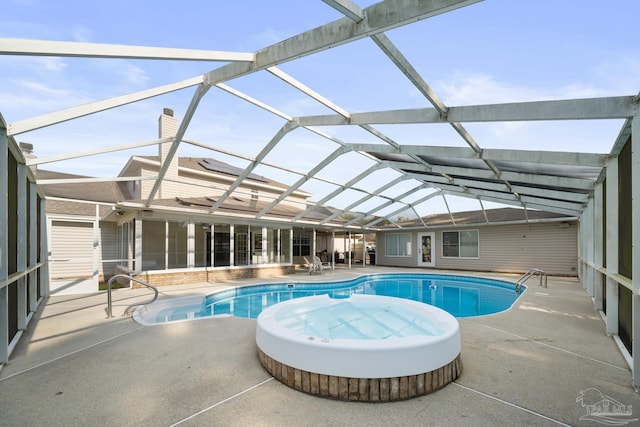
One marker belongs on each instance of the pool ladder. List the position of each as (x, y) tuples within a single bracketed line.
[(109, 308), (528, 274)]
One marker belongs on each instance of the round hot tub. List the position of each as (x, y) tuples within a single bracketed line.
[(365, 347)]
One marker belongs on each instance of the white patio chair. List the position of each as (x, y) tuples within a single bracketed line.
[(319, 264), (312, 265)]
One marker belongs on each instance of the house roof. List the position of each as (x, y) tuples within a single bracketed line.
[(61, 185), (207, 164), (240, 207)]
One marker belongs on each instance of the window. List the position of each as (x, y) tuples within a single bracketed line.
[(221, 245), (241, 245), (202, 245), (301, 243), (177, 241), (153, 245), (164, 244), (398, 244), (285, 245), (256, 245), (460, 244), (126, 241)]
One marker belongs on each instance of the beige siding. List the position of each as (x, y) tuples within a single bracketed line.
[(71, 249), (146, 185), (396, 261), (551, 247), (192, 185), (517, 248)]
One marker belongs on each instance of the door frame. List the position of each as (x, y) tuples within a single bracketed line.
[(431, 259)]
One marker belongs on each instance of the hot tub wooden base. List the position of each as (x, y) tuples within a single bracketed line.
[(362, 389)]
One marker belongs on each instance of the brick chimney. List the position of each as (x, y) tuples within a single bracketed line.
[(168, 127)]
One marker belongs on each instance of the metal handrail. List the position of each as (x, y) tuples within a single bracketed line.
[(528, 274), (117, 276)]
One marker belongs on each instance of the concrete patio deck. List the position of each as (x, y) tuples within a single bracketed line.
[(526, 366)]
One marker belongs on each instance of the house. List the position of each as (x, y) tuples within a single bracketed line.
[(195, 230), (504, 240)]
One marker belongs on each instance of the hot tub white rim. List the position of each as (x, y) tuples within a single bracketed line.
[(361, 362), (446, 321), (371, 344), (377, 358), (432, 313)]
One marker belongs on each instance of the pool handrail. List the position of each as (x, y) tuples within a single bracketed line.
[(109, 308), (528, 274)]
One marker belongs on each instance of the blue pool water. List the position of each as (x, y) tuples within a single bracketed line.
[(461, 296)]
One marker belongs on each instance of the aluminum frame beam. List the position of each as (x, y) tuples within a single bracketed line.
[(60, 116), (341, 189), (43, 160), (184, 124), (613, 107), (284, 130), (347, 8), (378, 18), (330, 158), (29, 47)]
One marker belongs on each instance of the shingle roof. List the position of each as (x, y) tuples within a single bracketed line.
[(65, 207), (108, 192), (207, 164), (246, 206)]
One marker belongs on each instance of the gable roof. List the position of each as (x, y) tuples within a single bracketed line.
[(97, 191), (208, 164)]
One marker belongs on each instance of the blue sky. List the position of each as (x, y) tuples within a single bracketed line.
[(490, 52)]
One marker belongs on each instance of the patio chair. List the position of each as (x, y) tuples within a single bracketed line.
[(312, 265), (319, 264)]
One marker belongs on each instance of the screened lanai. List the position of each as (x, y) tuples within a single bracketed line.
[(370, 108)]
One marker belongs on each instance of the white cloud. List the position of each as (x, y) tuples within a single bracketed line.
[(34, 65), (82, 34), (134, 74), (29, 98), (477, 88), (268, 36), (620, 73), (613, 76), (51, 64)]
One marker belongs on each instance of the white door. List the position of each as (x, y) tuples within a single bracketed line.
[(426, 244)]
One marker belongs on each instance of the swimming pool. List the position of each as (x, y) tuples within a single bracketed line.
[(461, 296)]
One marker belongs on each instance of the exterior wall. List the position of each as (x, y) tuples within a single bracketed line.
[(518, 248), (71, 246), (515, 248), (211, 275), (72, 249), (145, 187), (195, 185), (73, 258)]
